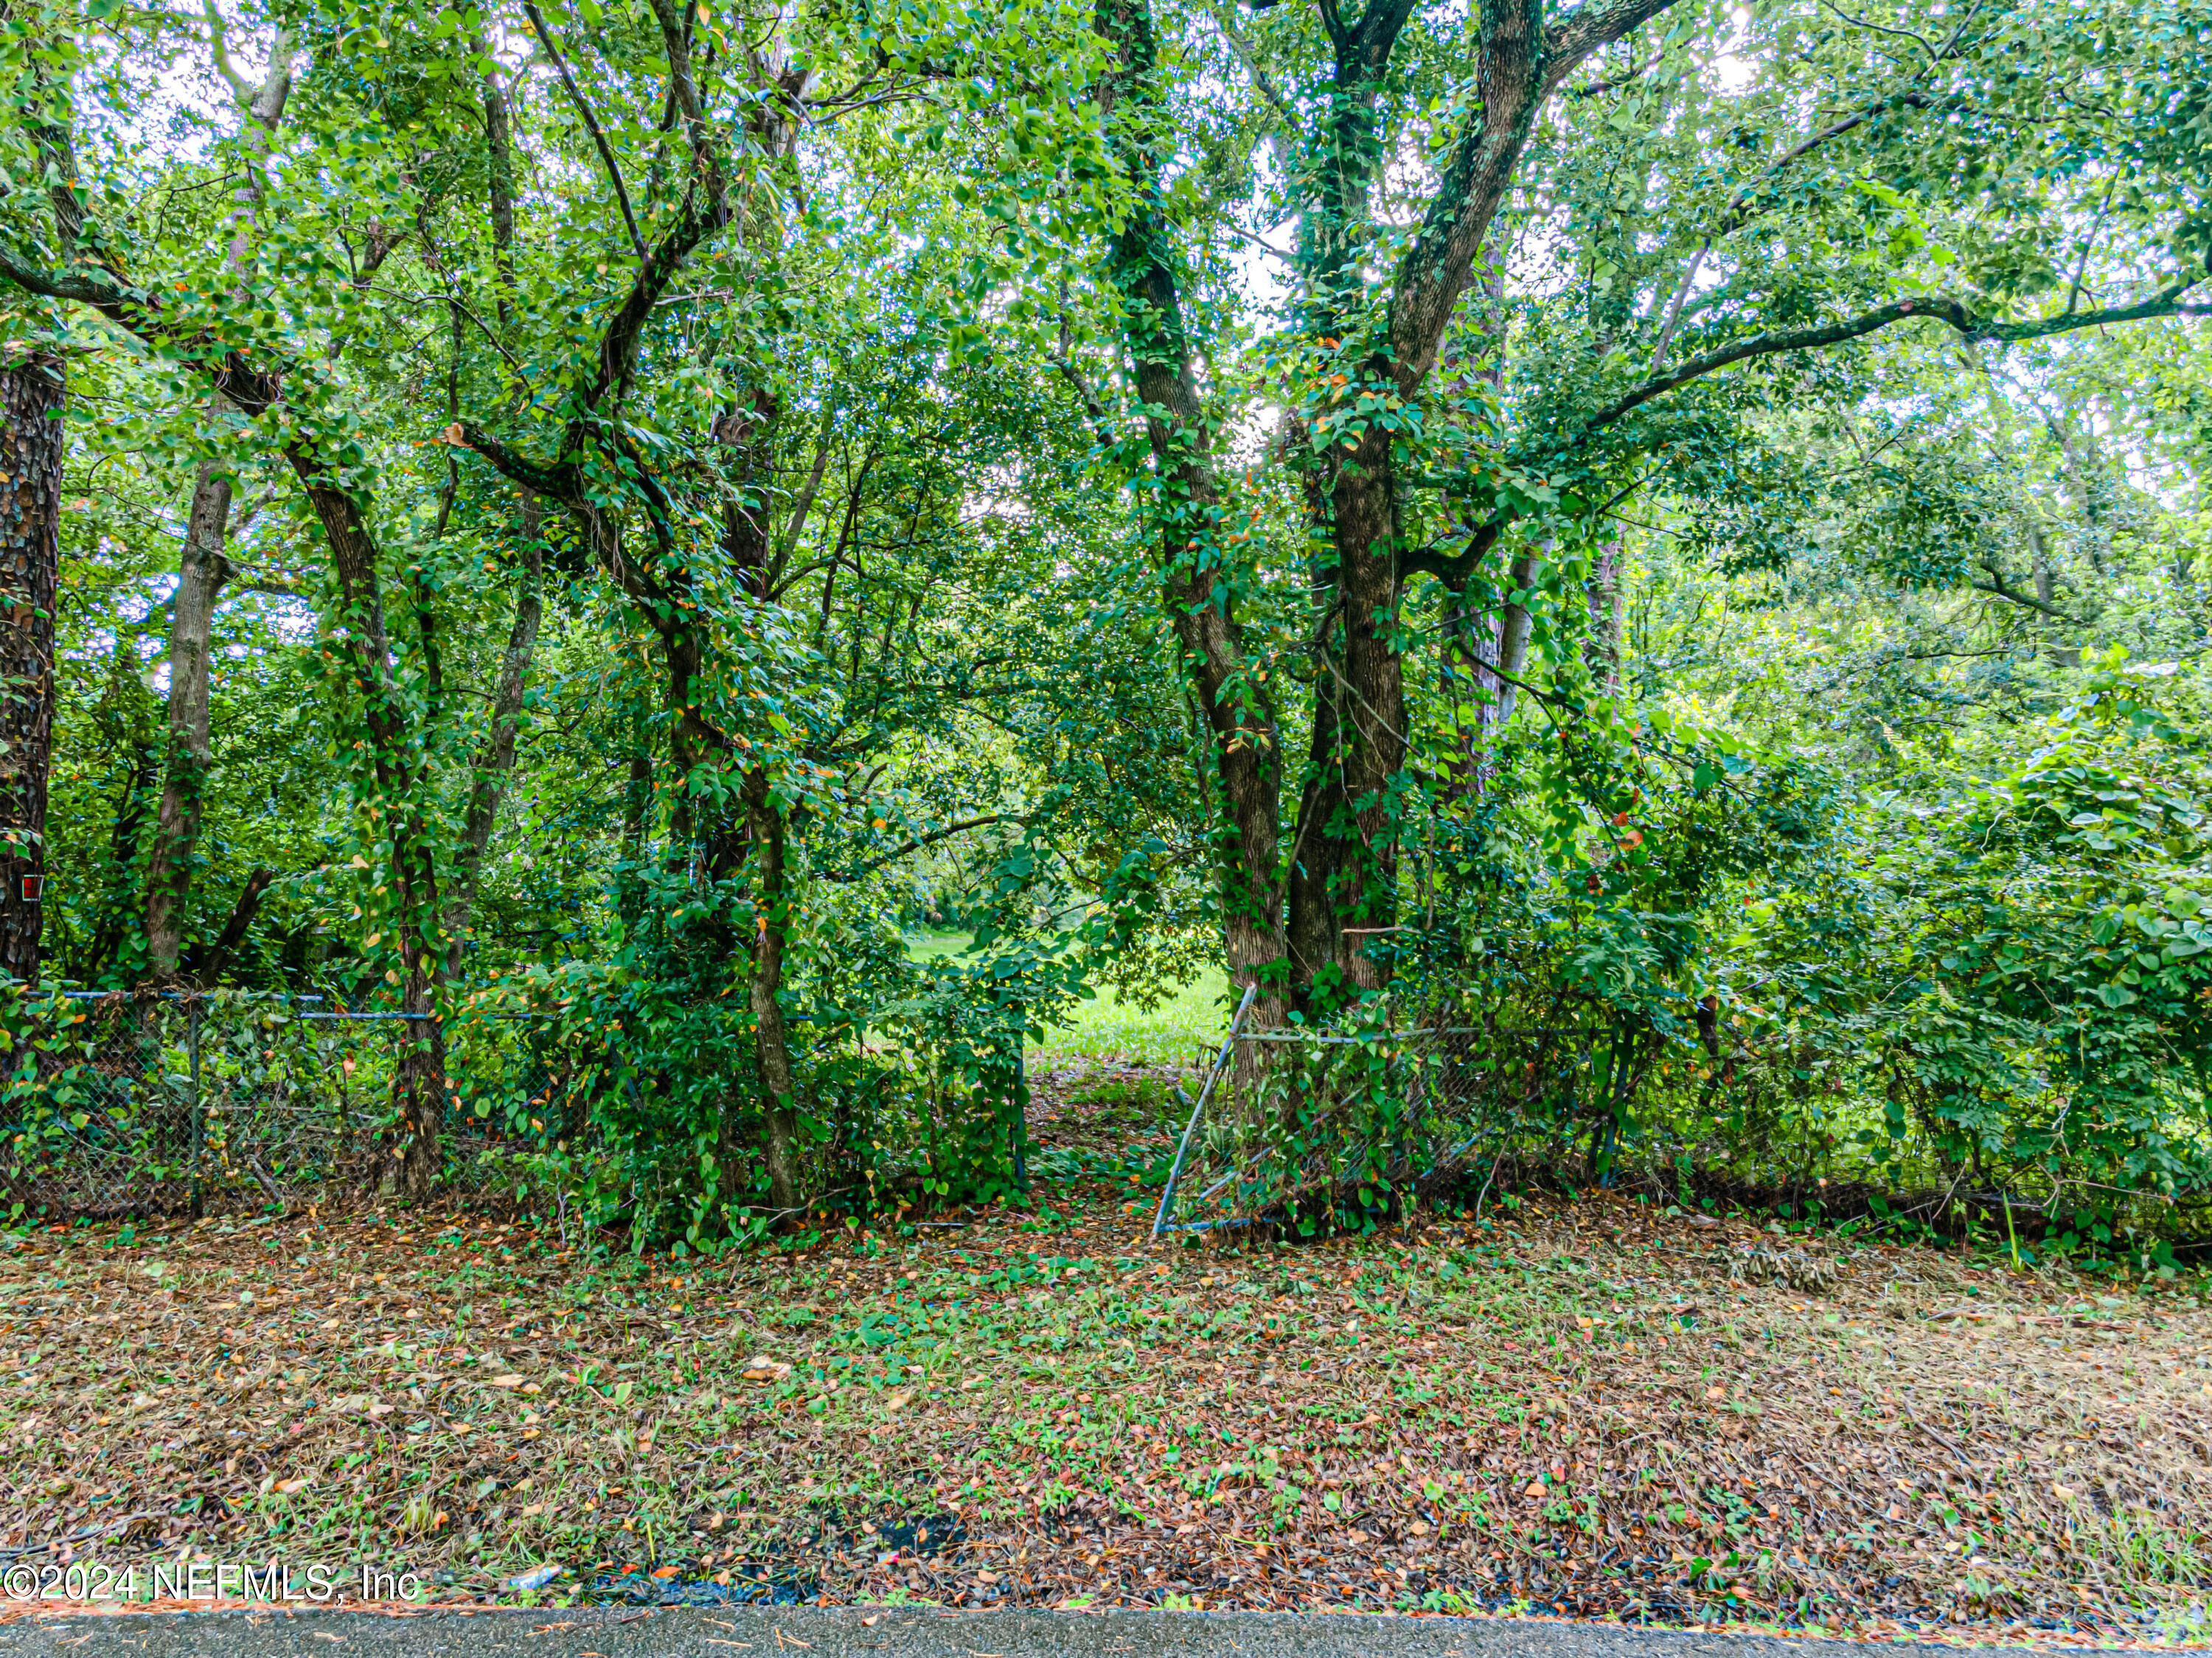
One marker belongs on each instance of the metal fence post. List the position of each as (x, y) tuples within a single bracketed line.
[(1183, 1146), (199, 1111)]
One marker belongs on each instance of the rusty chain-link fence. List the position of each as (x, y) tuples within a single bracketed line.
[(138, 1104), (130, 1106)]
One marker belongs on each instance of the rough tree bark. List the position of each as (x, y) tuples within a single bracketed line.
[(32, 392)]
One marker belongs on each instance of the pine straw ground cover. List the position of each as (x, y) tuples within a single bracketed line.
[(1577, 1408)]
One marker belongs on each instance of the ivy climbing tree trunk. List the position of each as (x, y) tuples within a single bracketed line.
[(32, 392), (772, 900), (1300, 922), (1197, 584), (494, 761), (360, 642), (202, 570)]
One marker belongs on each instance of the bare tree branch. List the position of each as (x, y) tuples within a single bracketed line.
[(590, 123), (1997, 585), (1954, 312), (1224, 19), (921, 841)]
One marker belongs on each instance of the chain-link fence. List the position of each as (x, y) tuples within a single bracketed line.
[(125, 1106), (1311, 1126), (139, 1104)]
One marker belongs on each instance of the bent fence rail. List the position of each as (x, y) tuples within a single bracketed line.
[(1307, 1125)]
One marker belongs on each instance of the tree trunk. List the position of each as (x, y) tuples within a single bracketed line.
[(1486, 651), (1602, 599), (235, 928), (496, 759), (201, 572), (32, 395), (365, 645), (1195, 583), (421, 1085), (1349, 817), (499, 152), (772, 1043), (201, 569)]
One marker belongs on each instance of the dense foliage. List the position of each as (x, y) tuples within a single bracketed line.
[(1679, 523)]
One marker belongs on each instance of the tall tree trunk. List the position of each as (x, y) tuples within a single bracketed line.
[(1310, 928), (1486, 650), (1476, 636), (499, 150), (1348, 824), (494, 762), (201, 572), (422, 1080), (772, 904), (32, 393), (1349, 819), (202, 568), (1196, 579), (362, 640), (1601, 597)]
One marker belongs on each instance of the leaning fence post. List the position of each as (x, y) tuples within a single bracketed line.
[(199, 1111), (1175, 1170), (1021, 1103)]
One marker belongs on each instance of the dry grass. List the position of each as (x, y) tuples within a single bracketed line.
[(1584, 1409)]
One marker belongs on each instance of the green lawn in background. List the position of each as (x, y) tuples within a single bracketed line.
[(1189, 1023)]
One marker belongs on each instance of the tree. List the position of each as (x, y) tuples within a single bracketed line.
[(1407, 459), (33, 390), (201, 568)]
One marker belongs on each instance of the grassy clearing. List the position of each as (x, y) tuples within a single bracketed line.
[(1583, 1408), (1190, 1022), (1185, 1028)]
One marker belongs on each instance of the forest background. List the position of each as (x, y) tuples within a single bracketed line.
[(1680, 521)]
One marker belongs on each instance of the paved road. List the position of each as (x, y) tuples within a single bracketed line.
[(845, 1632)]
